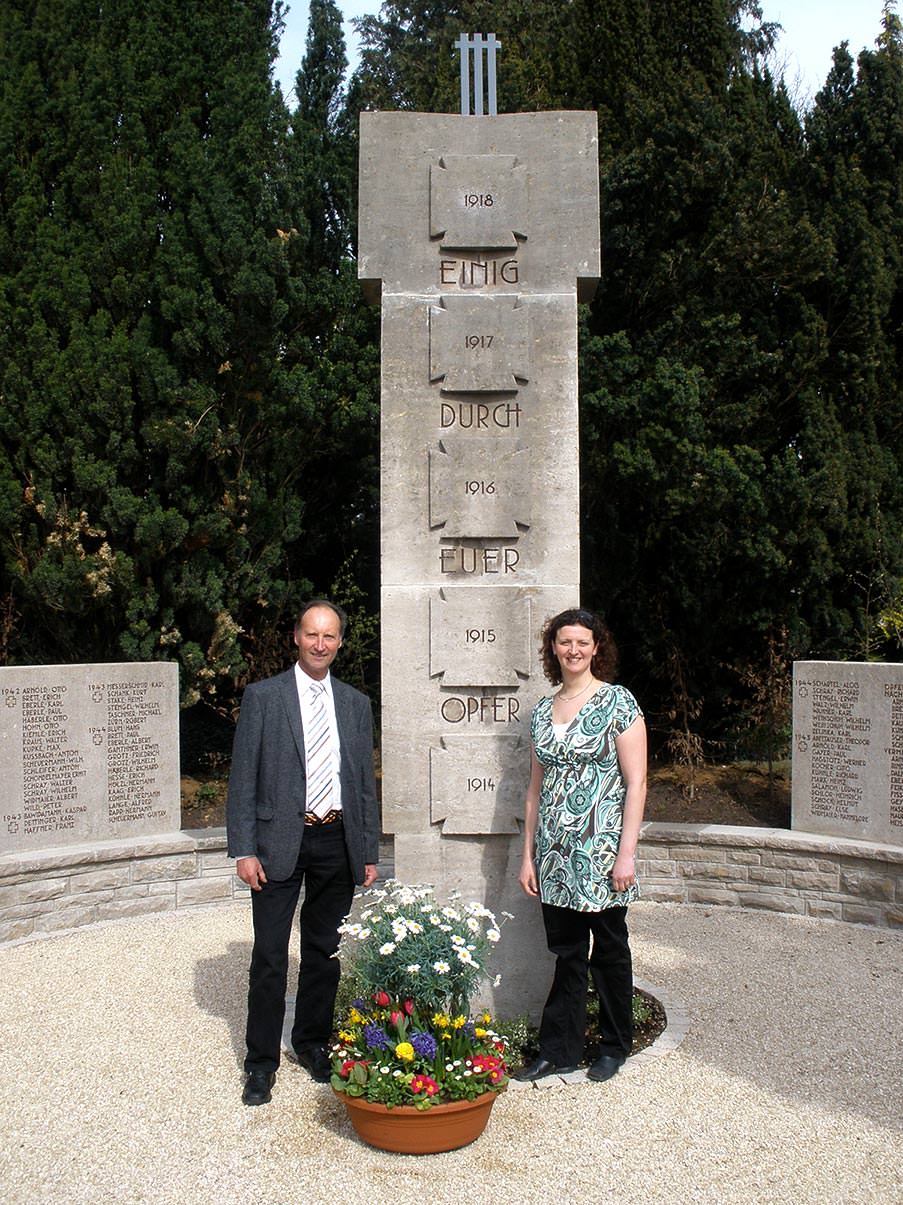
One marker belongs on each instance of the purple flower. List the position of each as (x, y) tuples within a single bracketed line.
[(424, 1044), (375, 1037)]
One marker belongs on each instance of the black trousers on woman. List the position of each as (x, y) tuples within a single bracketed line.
[(563, 1025)]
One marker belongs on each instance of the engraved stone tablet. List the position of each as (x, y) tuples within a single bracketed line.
[(848, 749), (478, 488), (88, 753), (478, 202), (480, 344), (477, 783), (480, 636)]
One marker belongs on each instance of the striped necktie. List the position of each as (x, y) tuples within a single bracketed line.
[(318, 750)]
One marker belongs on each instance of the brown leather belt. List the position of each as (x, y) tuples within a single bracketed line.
[(332, 817)]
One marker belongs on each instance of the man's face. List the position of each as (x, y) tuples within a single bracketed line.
[(318, 639)]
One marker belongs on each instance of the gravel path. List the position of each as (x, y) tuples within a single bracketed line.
[(122, 1079)]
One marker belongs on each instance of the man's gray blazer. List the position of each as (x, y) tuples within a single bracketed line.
[(268, 785)]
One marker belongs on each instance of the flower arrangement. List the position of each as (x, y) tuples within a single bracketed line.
[(415, 964)]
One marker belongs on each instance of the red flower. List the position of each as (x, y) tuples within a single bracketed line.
[(349, 1063), (408, 1006), (488, 1064), (394, 1017), (425, 1084), (381, 999)]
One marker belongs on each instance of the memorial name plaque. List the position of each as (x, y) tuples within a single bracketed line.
[(848, 749), (88, 753)]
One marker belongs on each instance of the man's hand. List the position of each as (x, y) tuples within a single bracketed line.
[(250, 871), (371, 874)]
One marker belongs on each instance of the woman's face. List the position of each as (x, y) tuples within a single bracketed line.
[(574, 647)]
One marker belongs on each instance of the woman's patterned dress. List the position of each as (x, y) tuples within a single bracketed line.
[(581, 803)]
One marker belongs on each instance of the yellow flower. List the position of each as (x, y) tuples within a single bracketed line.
[(479, 1031), (441, 1020), (346, 1036), (459, 1022), (446, 1035), (405, 1051), (486, 1018), (354, 1017)]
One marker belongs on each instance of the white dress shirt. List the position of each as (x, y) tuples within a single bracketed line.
[(305, 683)]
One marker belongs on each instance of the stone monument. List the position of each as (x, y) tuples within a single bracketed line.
[(478, 235), (848, 749), (88, 753)]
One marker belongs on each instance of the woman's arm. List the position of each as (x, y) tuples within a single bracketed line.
[(631, 747), (527, 877)]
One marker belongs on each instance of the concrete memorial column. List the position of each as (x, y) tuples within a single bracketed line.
[(478, 237)]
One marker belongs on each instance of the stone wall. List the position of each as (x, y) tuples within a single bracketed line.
[(43, 893), (46, 893), (802, 873)]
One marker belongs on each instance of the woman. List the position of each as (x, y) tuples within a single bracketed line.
[(584, 807)]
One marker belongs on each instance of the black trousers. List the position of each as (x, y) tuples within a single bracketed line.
[(563, 1025), (324, 871)]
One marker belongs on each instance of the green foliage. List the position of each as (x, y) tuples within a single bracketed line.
[(183, 354), (189, 375)]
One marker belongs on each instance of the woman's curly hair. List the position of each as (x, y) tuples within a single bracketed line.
[(605, 660)]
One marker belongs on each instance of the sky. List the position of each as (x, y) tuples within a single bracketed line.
[(811, 30)]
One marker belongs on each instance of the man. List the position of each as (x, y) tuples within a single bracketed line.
[(301, 809)]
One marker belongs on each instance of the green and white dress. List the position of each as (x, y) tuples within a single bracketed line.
[(581, 803)]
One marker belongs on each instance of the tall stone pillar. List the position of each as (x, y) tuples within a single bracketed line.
[(478, 236)]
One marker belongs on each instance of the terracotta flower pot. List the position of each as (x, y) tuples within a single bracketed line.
[(419, 1131)]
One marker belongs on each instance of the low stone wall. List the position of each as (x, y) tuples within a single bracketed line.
[(777, 869), (43, 893), (47, 892)]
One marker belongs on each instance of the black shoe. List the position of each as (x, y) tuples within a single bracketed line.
[(314, 1059), (605, 1066), (257, 1087), (540, 1068)]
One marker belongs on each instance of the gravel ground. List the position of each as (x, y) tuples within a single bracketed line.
[(123, 1045)]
